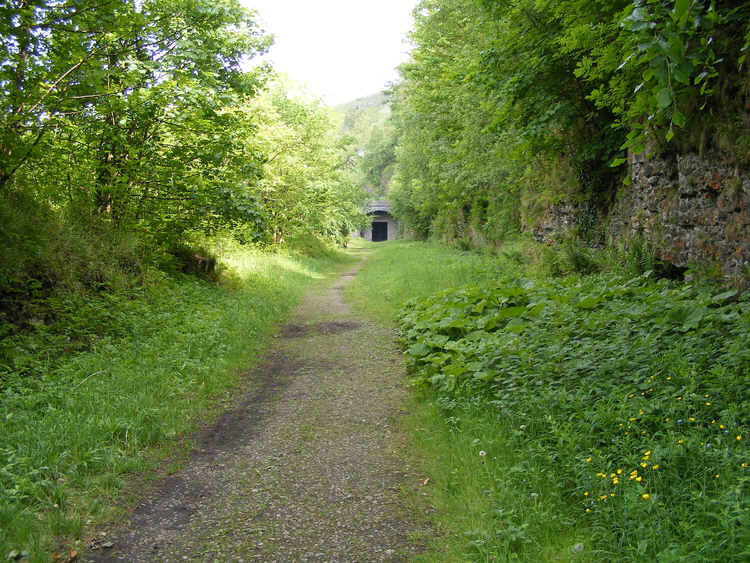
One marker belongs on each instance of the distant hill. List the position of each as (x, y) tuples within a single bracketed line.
[(377, 99), (365, 121), (361, 115)]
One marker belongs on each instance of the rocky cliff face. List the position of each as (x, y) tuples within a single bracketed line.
[(694, 210)]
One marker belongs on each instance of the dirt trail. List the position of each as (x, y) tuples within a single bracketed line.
[(304, 468)]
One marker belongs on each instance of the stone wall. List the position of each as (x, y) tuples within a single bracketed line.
[(695, 211), (558, 219)]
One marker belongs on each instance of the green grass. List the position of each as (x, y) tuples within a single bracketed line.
[(487, 499), (76, 423), (612, 411), (407, 269)]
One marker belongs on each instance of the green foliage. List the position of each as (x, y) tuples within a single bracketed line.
[(639, 257), (631, 393), (310, 246), (129, 111), (491, 501), (359, 117), (580, 257), (45, 257), (674, 65), (370, 139), (407, 269), (305, 185), (481, 506), (378, 158), (129, 131), (490, 113)]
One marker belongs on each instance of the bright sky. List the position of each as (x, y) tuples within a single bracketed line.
[(340, 49)]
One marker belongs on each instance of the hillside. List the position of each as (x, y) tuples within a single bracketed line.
[(365, 123)]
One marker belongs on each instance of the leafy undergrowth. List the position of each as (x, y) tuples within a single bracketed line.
[(86, 400), (582, 419), (630, 395)]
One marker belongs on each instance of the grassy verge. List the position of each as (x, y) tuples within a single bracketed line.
[(477, 512), (75, 425), (401, 270), (599, 418)]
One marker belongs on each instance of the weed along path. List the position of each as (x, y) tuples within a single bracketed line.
[(306, 466)]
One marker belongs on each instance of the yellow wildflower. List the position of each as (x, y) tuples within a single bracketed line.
[(645, 496)]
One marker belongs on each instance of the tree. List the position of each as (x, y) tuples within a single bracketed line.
[(507, 107), (122, 109), (305, 187)]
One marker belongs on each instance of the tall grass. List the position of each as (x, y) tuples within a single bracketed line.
[(75, 423)]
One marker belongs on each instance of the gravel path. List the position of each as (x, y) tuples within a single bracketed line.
[(307, 466)]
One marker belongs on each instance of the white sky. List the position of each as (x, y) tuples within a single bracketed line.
[(340, 49)]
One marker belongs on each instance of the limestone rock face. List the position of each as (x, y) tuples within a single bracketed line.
[(695, 210), (558, 219)]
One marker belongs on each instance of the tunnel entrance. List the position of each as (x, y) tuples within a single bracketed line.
[(379, 231)]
